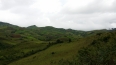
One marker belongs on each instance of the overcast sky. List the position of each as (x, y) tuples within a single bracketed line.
[(75, 14)]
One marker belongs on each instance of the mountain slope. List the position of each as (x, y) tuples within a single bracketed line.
[(51, 45), (98, 49), (52, 55)]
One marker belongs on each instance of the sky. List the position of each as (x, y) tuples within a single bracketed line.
[(74, 14)]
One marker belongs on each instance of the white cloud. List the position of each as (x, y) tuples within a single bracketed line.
[(88, 6), (113, 25), (47, 6), (6, 15), (75, 14)]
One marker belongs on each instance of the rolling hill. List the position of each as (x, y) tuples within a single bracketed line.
[(55, 46)]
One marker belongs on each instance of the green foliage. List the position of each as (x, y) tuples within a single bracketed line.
[(19, 42), (102, 51)]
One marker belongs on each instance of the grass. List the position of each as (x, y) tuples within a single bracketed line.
[(53, 54)]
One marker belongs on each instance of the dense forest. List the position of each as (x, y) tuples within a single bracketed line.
[(56, 46)]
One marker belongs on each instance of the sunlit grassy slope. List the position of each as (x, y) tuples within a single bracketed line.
[(52, 55)]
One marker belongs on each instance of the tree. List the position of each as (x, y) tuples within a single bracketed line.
[(59, 41), (69, 40)]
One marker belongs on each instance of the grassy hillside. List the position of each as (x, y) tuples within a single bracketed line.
[(55, 46), (20, 42), (99, 49), (53, 55)]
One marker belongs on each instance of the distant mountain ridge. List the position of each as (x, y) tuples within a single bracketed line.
[(34, 26), (47, 33), (3, 23)]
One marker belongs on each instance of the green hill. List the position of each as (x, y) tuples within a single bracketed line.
[(55, 46)]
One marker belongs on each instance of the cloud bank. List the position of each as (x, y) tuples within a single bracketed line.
[(75, 14)]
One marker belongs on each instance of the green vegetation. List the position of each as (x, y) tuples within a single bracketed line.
[(102, 51), (56, 46)]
